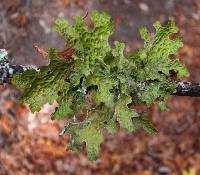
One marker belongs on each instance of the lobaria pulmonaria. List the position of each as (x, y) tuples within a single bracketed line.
[(97, 84)]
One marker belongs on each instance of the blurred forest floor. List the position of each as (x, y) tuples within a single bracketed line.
[(30, 143)]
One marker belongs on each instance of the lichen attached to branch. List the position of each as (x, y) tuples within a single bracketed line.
[(95, 86)]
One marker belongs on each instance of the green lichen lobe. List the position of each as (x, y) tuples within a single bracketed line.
[(103, 81)]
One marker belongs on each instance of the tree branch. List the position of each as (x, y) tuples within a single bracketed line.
[(187, 89), (7, 70)]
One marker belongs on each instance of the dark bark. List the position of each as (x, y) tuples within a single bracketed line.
[(7, 69), (187, 89)]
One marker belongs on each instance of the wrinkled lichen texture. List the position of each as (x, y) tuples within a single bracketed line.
[(102, 81)]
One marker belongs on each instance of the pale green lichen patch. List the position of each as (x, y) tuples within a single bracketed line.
[(101, 80)]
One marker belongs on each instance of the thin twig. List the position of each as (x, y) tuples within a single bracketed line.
[(187, 89), (7, 70), (86, 14), (41, 51)]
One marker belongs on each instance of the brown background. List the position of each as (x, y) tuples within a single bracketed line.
[(30, 143)]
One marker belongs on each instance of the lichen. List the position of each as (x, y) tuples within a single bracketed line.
[(95, 87)]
